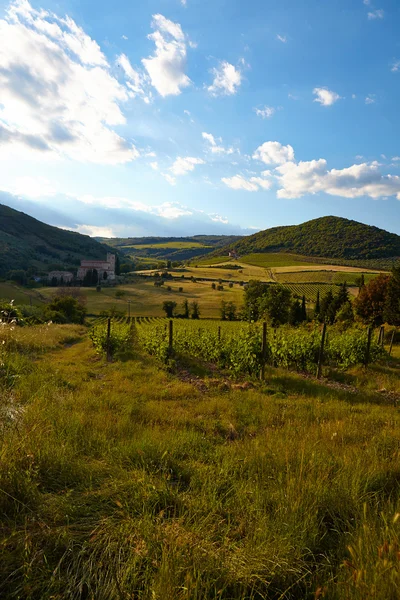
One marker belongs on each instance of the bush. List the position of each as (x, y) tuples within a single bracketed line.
[(8, 312), (66, 309), (119, 342)]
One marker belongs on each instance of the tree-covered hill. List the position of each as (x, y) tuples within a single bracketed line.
[(331, 237), (28, 243)]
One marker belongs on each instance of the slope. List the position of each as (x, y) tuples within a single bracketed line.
[(28, 243), (331, 237)]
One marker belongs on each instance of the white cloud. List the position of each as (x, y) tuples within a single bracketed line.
[(171, 180), (227, 80), (370, 99), (183, 2), (365, 179), (183, 165), (367, 2), (214, 147), (265, 113), (136, 81), (124, 37), (273, 153), (353, 96), (93, 231), (325, 97), (282, 38), (57, 95), (166, 68), (31, 187), (254, 184), (396, 158), (376, 14), (395, 66), (154, 165)]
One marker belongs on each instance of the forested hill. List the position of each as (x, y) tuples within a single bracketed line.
[(332, 237), (26, 242)]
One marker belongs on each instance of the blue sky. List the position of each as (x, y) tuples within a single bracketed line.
[(169, 117)]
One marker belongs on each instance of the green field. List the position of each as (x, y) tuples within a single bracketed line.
[(274, 260), (121, 480), (168, 246), (10, 291), (351, 278)]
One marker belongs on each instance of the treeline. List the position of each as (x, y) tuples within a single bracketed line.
[(331, 237)]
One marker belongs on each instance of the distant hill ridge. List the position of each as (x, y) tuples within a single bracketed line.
[(330, 237), (27, 243)]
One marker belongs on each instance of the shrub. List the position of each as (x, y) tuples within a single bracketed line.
[(119, 342)]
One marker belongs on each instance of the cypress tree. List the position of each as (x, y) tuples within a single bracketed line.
[(391, 312), (303, 309), (317, 309)]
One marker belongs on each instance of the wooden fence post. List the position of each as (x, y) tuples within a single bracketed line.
[(219, 333), (108, 339), (321, 352), (171, 335), (391, 342), (263, 351), (368, 346), (383, 336)]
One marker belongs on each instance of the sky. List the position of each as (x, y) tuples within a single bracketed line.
[(184, 117)]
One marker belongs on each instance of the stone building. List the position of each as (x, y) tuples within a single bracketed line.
[(61, 276), (107, 266)]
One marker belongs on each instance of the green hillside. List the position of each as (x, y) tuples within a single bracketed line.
[(330, 237), (27, 243), (170, 248)]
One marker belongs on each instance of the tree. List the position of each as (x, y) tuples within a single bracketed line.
[(105, 275), (254, 291), (328, 308), (66, 309), (186, 310), (342, 296), (346, 314), (317, 309), (19, 276), (117, 265), (360, 281), (391, 312), (296, 313), (195, 310), (169, 307), (222, 311), (370, 303), (231, 311), (275, 304), (303, 309)]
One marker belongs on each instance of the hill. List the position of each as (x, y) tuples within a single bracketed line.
[(329, 237), (26, 243), (170, 248)]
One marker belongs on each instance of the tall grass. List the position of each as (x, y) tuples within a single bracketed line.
[(121, 481)]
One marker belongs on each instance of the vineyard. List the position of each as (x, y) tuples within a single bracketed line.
[(335, 277), (238, 346)]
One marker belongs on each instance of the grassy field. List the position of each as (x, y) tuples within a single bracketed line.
[(350, 277), (10, 291), (147, 300), (119, 480)]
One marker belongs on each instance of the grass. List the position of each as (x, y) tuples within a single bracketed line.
[(147, 300), (335, 277), (11, 291), (120, 480)]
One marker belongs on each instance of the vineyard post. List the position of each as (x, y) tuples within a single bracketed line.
[(171, 335), (368, 346), (263, 351), (219, 333), (108, 339), (321, 352), (391, 342), (383, 336)]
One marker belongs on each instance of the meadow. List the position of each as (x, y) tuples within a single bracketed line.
[(196, 486)]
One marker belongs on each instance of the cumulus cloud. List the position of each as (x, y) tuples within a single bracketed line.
[(183, 165), (365, 179), (265, 113), (227, 80), (370, 99), (57, 94), (215, 147), (325, 97), (166, 68), (273, 153), (253, 184), (282, 38), (395, 66), (376, 14)]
